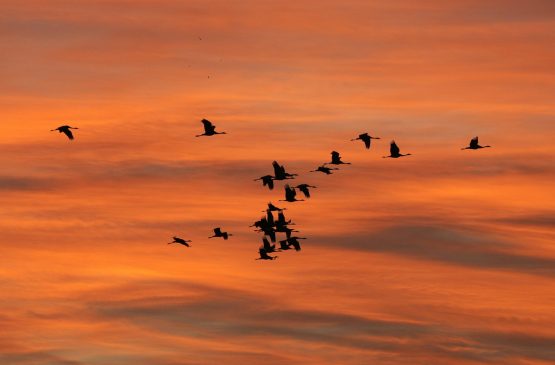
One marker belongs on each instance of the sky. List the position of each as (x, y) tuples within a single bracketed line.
[(443, 257)]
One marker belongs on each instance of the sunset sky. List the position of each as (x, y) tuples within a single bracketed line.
[(443, 257)]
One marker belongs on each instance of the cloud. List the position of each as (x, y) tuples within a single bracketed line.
[(458, 246)]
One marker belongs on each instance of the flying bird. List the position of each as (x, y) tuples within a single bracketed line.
[(267, 180), (336, 159), (209, 129), (294, 241), (267, 246), (324, 169), (264, 255), (273, 208), (181, 241), (280, 173), (218, 233), (394, 151), (474, 145), (366, 138), (290, 195), (304, 189), (65, 129)]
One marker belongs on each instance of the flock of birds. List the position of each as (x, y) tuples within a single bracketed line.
[(268, 224)]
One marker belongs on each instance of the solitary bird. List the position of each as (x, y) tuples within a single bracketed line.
[(394, 151), (209, 129), (65, 129), (181, 241), (304, 189), (474, 145), (218, 233), (366, 138), (280, 173), (336, 159), (324, 169), (264, 255), (290, 194), (267, 180)]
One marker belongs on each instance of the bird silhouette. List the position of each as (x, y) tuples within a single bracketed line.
[(209, 129), (267, 246), (264, 255), (290, 195), (304, 189), (181, 241), (65, 129), (324, 169), (284, 246), (273, 208), (218, 233), (473, 145), (281, 221), (394, 151), (366, 138), (336, 159), (267, 180), (280, 173), (294, 241)]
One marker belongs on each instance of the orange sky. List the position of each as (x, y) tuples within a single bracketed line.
[(444, 257)]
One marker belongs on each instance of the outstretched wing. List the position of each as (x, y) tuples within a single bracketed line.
[(394, 149), (305, 191), (208, 126), (217, 231), (474, 142), (67, 132), (366, 138)]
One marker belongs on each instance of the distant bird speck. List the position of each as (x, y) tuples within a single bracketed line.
[(325, 170)]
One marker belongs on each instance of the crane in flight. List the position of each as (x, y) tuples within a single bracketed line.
[(280, 173), (366, 138), (264, 255), (181, 241), (267, 180), (473, 145), (65, 129), (290, 195), (324, 169), (395, 152), (209, 129), (336, 159), (304, 189), (218, 233)]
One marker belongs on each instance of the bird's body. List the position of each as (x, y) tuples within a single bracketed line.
[(336, 159), (473, 145), (209, 129), (366, 138), (218, 233), (304, 189), (280, 173), (325, 170), (267, 180), (395, 152), (181, 241), (290, 195), (65, 129)]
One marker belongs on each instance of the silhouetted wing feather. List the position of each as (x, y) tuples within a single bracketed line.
[(68, 133), (394, 150)]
